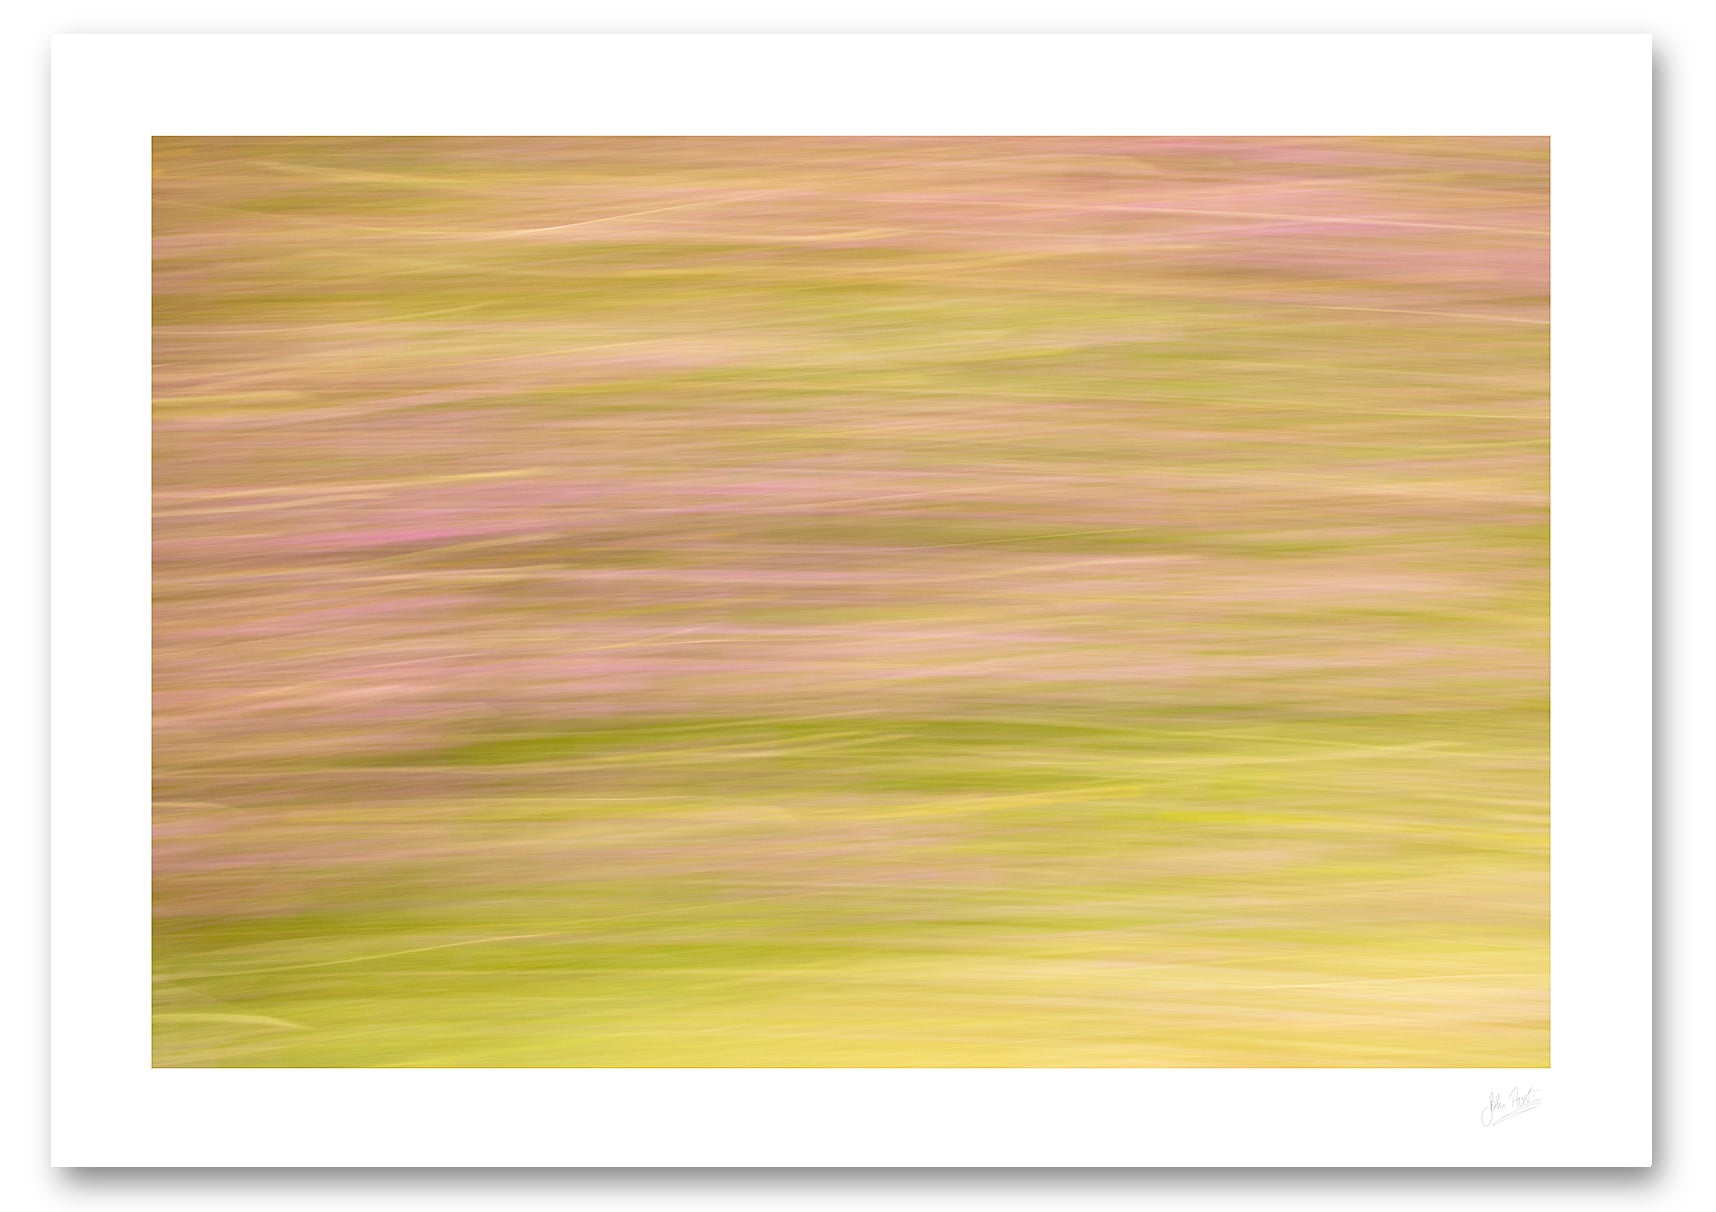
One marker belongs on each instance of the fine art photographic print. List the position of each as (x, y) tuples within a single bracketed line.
[(710, 602)]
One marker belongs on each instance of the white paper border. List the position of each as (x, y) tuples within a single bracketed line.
[(111, 93)]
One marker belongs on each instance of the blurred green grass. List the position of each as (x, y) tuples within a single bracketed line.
[(851, 602)]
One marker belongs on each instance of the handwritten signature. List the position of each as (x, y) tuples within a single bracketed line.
[(1500, 1109)]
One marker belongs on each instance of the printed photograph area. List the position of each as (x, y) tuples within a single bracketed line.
[(851, 602)]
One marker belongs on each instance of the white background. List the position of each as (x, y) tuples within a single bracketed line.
[(1685, 1053)]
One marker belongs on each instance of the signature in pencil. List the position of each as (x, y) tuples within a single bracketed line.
[(1518, 1102)]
